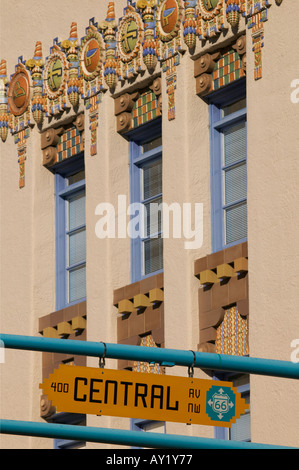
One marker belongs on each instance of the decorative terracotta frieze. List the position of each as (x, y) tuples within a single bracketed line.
[(141, 313), (257, 14), (220, 68), (137, 108), (61, 143), (19, 96), (4, 114), (150, 37), (68, 323), (223, 299)]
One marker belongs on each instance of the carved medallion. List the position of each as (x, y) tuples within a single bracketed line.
[(169, 17), (19, 92), (209, 7), (55, 74), (91, 54), (130, 35), (210, 18)]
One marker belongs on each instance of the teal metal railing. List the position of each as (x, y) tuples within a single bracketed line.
[(167, 357)]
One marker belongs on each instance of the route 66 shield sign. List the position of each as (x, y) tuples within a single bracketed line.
[(220, 404)]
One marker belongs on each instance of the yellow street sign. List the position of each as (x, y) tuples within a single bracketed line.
[(158, 397)]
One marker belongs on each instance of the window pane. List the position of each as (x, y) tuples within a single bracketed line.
[(77, 283), (80, 176), (151, 145), (76, 211), (152, 179), (77, 247), (153, 255), (234, 143), (236, 106), (240, 430), (236, 223), (235, 183), (152, 217)]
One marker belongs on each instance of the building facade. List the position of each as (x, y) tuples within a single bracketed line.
[(149, 196)]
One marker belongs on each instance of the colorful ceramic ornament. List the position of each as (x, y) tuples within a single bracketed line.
[(147, 7), (108, 28), (91, 57), (18, 102), (71, 47), (128, 43), (19, 91), (55, 81), (35, 65), (189, 24), (169, 17), (257, 14), (210, 19), (233, 12), (4, 116)]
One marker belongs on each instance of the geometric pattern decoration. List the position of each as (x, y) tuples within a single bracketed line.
[(140, 317), (150, 368), (145, 109), (210, 18), (55, 81), (128, 43), (135, 109), (169, 17), (223, 304), (69, 144), (68, 323), (227, 69), (19, 95), (58, 144), (91, 58), (213, 71), (257, 14), (4, 115), (232, 334), (150, 33)]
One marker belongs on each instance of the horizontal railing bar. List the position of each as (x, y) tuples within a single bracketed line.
[(250, 365), (122, 437)]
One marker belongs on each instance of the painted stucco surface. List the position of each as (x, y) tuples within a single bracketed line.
[(28, 219)]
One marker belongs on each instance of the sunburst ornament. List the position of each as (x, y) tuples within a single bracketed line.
[(210, 18), (129, 43), (55, 80)]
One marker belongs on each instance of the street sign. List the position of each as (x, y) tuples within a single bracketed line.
[(122, 393)]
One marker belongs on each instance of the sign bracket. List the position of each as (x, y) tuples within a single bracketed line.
[(102, 358)]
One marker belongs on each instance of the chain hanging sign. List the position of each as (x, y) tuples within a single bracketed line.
[(122, 393)]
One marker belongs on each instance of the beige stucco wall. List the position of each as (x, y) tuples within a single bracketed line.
[(273, 225), (27, 216), (27, 221)]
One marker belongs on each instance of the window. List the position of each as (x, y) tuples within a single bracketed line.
[(143, 425), (146, 195), (228, 136), (70, 234), (240, 430), (72, 419)]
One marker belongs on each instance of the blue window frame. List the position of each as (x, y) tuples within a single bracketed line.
[(145, 425), (145, 190), (228, 143), (240, 430), (73, 419), (70, 232)]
